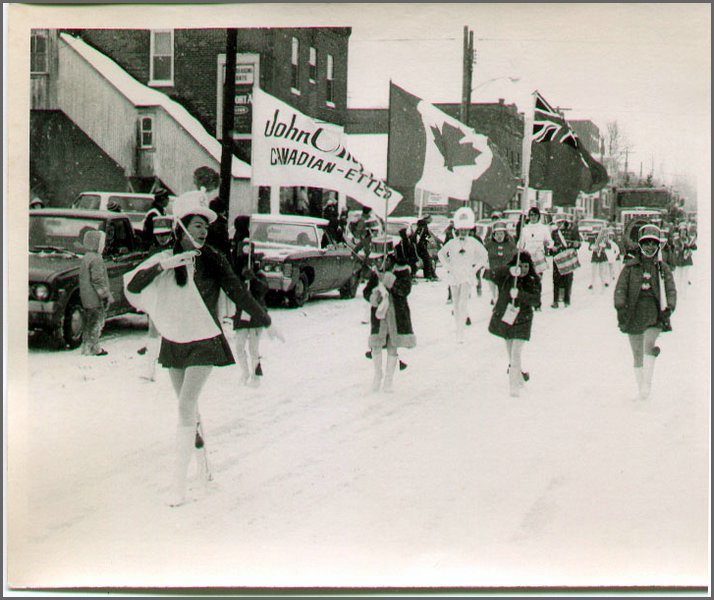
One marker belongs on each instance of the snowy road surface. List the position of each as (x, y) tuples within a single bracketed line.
[(319, 482)]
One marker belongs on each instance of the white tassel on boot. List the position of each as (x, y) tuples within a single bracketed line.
[(647, 373), (185, 440), (377, 380), (389, 372)]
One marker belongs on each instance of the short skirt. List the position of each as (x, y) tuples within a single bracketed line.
[(645, 315), (598, 258), (214, 352)]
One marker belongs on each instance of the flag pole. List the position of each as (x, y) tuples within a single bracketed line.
[(527, 143), (386, 201)]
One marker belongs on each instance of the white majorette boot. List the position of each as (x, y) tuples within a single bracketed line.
[(153, 345), (515, 381), (640, 377), (377, 379), (185, 444), (389, 372), (647, 373)]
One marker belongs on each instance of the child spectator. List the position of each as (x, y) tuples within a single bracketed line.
[(94, 292)]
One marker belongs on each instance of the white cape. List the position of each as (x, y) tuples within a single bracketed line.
[(179, 313)]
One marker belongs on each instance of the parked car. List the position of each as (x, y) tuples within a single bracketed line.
[(55, 245), (300, 258), (133, 204), (589, 228)]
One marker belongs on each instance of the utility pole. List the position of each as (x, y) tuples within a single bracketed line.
[(467, 77), (229, 99)]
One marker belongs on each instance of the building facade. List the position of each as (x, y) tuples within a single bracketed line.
[(305, 67)]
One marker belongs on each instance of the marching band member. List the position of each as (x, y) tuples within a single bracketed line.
[(599, 263), (500, 248), (391, 324), (179, 290), (535, 238), (684, 264), (519, 291), (462, 257), (645, 297), (563, 239)]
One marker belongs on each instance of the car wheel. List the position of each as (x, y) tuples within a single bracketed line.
[(349, 290), (301, 292), (72, 324)]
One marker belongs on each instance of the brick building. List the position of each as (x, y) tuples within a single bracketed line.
[(305, 67)]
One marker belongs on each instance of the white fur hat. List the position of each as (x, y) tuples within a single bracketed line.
[(464, 218), (193, 203)]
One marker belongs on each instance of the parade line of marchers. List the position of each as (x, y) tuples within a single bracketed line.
[(317, 139)]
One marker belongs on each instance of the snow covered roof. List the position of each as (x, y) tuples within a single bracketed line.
[(141, 95)]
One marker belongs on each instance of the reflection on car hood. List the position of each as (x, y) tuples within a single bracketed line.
[(274, 251), (44, 267)]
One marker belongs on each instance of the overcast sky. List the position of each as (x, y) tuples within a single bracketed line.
[(646, 66)]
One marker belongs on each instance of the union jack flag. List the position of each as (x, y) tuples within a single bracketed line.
[(550, 126)]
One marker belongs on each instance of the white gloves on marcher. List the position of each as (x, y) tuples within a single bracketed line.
[(514, 293), (178, 260), (388, 279)]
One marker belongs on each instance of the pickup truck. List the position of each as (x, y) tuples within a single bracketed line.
[(55, 246)]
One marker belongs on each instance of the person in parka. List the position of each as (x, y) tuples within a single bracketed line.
[(645, 298), (390, 317), (94, 292)]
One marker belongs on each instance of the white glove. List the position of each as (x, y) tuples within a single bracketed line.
[(514, 293), (515, 271), (178, 260), (389, 279)]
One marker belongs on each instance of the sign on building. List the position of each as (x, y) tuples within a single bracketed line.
[(247, 76)]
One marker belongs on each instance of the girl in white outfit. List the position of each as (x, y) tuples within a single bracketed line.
[(462, 258), (535, 238)]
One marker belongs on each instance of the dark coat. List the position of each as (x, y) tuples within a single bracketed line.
[(396, 328), (529, 290), (629, 286), (499, 253)]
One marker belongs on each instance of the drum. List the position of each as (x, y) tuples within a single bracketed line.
[(566, 261)]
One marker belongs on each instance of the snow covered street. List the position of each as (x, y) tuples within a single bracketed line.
[(318, 481)]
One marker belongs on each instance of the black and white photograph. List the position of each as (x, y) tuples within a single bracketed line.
[(373, 297)]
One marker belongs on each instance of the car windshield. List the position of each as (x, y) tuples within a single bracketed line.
[(293, 234), (59, 233), (132, 203), (89, 201)]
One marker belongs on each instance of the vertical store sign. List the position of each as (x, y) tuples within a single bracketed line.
[(247, 76), (245, 79)]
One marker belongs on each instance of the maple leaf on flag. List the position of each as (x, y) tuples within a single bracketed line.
[(455, 153)]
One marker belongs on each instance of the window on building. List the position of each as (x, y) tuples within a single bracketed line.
[(38, 51), (162, 57), (313, 65), (295, 66), (146, 133), (330, 95)]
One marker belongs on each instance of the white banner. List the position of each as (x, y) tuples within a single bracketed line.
[(291, 149)]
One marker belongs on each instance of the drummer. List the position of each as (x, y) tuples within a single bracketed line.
[(564, 239)]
